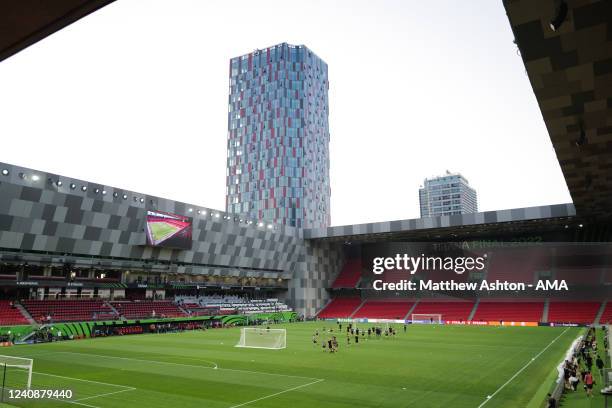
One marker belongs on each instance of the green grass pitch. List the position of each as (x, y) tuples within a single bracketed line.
[(429, 366), (160, 230)]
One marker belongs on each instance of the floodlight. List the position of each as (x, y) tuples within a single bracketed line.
[(560, 16), (35, 177), (5, 172)]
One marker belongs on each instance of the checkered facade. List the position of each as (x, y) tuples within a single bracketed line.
[(49, 219)]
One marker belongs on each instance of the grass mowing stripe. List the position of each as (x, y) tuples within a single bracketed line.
[(215, 367), (277, 393), (489, 398), (81, 379)]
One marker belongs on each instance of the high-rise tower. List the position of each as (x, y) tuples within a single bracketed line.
[(278, 137), (449, 194)]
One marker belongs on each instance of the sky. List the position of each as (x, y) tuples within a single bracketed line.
[(135, 96)]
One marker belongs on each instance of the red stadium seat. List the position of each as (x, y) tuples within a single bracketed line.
[(340, 308)]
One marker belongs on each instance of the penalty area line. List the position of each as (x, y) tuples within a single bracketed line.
[(490, 397), (214, 367), (103, 395), (277, 393)]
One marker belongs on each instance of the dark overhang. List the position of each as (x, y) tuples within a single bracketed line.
[(25, 22), (566, 47)]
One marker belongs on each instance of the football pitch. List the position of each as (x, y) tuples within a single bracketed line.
[(161, 230), (428, 366)]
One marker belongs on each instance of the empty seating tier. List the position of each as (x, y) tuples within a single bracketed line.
[(378, 309), (349, 275), (68, 310), (572, 312), (509, 311), (340, 308), (606, 316), (144, 309), (10, 315)]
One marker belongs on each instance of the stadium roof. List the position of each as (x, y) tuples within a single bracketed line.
[(570, 69), (25, 22), (515, 221)]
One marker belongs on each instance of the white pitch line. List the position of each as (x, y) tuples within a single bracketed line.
[(277, 393), (74, 402), (489, 398), (103, 395), (188, 365)]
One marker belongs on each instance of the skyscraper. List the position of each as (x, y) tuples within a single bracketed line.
[(449, 194), (278, 137)]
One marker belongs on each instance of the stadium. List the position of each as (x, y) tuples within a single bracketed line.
[(116, 298)]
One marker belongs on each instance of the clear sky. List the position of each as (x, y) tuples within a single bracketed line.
[(135, 96)]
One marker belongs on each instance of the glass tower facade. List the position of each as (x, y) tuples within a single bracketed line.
[(278, 137), (449, 194)]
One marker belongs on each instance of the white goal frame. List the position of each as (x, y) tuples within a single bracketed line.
[(426, 318), (18, 362), (280, 343)]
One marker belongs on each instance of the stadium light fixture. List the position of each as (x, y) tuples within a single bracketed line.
[(580, 225), (5, 172), (59, 183), (560, 15), (191, 210), (115, 194), (96, 190), (270, 226), (103, 192), (261, 224), (35, 177), (72, 186), (199, 212), (84, 188), (124, 197), (141, 200), (203, 212)]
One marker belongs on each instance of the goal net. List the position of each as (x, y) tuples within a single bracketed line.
[(426, 318), (260, 337), (15, 372)]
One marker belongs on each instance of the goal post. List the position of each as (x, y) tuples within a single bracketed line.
[(16, 371), (263, 338), (426, 318)]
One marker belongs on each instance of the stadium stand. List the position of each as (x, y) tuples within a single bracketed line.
[(68, 310), (204, 305), (10, 315), (512, 310), (141, 309), (340, 308), (606, 316), (579, 276), (515, 266), (349, 275), (380, 309), (450, 310), (574, 312)]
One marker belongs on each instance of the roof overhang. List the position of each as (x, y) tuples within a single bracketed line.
[(25, 22), (570, 70)]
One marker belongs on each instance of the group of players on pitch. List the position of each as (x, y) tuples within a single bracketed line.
[(331, 344)]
